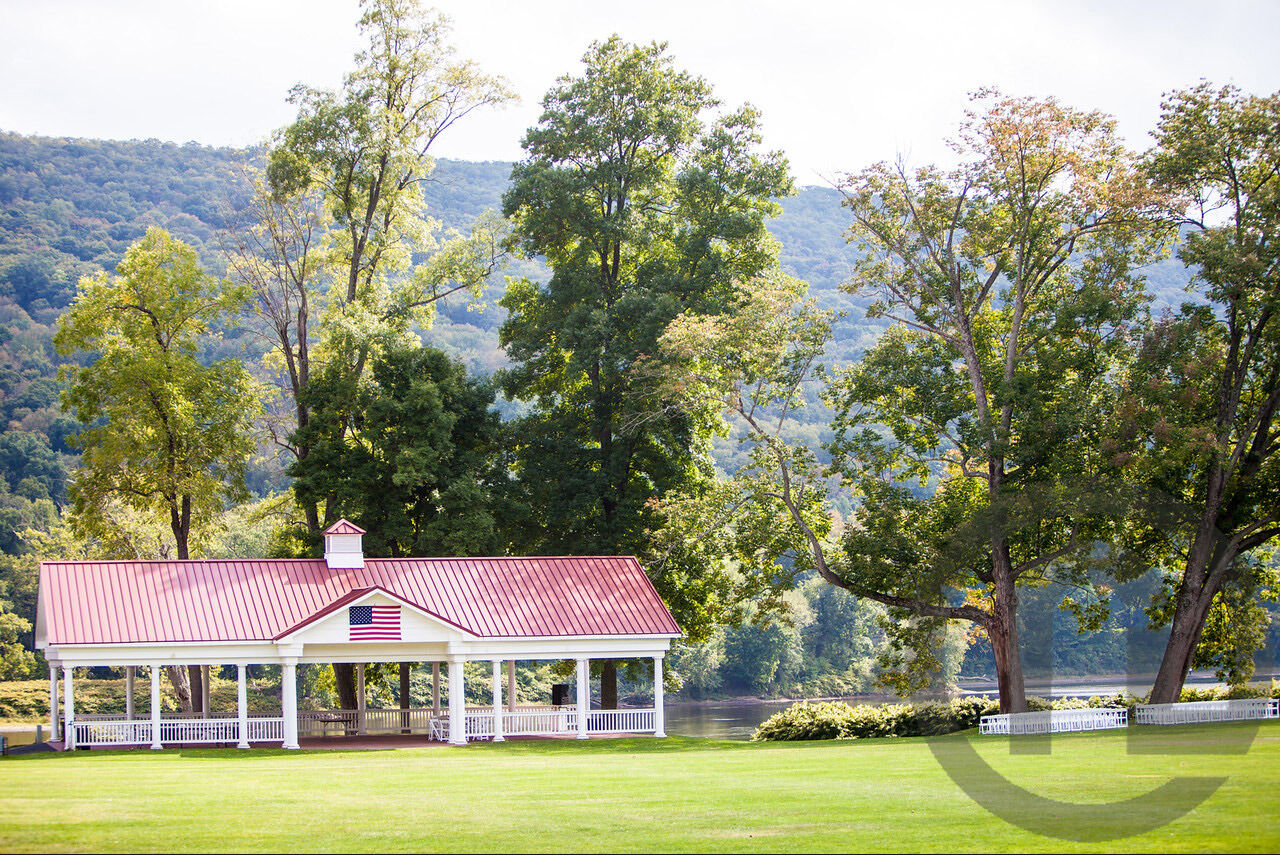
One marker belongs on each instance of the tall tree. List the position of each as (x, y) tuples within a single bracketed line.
[(1010, 284), (1199, 423), (643, 207), (166, 435), (413, 457), (336, 255)]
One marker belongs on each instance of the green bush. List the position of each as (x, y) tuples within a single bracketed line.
[(835, 720), (1256, 690)]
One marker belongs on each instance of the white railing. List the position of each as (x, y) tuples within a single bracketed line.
[(1054, 721), (187, 731), (100, 730), (541, 721), (1195, 712), (620, 721), (189, 728), (266, 729)]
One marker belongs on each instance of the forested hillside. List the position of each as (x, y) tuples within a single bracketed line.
[(69, 208)]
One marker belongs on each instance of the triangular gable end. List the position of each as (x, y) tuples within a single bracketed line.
[(389, 614)]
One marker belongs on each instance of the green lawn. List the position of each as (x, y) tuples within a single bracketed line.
[(676, 794)]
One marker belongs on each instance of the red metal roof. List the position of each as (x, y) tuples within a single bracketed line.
[(119, 602), (344, 527)]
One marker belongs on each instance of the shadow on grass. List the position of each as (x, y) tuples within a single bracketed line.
[(1079, 822)]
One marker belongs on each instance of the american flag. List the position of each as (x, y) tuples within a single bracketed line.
[(374, 623)]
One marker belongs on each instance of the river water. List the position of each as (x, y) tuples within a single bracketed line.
[(739, 718)]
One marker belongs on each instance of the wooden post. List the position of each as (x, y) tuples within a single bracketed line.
[(69, 706), (242, 706), (457, 702), (289, 702), (584, 696), (155, 707), (204, 691), (360, 700), (497, 701), (659, 718), (511, 685), (129, 672)]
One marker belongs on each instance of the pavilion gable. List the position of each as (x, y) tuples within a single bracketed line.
[(381, 617)]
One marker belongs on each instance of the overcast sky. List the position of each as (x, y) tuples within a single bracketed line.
[(839, 84)]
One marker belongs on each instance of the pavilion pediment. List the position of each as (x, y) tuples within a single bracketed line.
[(374, 617)]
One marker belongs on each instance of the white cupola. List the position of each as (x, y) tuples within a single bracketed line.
[(343, 548)]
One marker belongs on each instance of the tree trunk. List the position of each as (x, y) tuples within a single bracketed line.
[(1003, 632), (195, 680), (181, 688), (609, 684), (1207, 561), (344, 676), (1184, 637)]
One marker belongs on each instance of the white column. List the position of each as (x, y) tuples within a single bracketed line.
[(155, 707), (68, 689), (53, 702), (242, 706), (659, 718), (497, 701), (361, 718), (435, 687), (511, 685), (289, 701), (584, 696), (204, 690), (129, 672), (457, 703)]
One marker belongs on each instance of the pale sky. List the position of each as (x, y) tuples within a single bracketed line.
[(840, 84)]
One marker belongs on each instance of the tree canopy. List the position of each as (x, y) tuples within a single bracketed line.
[(1197, 424), (644, 204), (165, 434)]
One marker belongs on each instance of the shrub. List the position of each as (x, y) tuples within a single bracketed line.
[(835, 720)]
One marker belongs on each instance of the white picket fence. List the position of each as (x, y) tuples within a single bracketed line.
[(1196, 712), (1054, 721)]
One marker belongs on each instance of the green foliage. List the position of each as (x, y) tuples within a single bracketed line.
[(16, 661), (641, 213), (176, 433), (1012, 282), (413, 457), (1196, 426), (833, 720)]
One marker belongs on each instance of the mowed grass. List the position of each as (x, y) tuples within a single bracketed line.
[(637, 795)]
